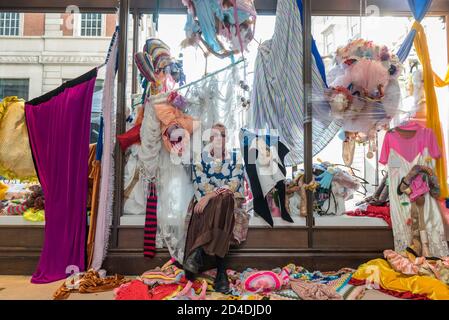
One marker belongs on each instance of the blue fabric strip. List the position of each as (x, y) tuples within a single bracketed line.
[(406, 46), (99, 150), (315, 52), (419, 9)]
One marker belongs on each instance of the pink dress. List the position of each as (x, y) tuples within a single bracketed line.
[(400, 154)]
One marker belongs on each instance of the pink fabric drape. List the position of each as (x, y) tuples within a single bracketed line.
[(59, 127)]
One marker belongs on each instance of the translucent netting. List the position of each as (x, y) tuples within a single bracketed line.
[(218, 98)]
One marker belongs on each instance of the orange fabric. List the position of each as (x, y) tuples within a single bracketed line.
[(168, 116), (94, 190), (139, 117), (432, 115), (440, 83)]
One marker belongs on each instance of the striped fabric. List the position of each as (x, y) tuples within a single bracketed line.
[(149, 239), (278, 93)]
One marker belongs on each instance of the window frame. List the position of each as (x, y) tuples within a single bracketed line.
[(20, 18), (78, 25), (18, 79)]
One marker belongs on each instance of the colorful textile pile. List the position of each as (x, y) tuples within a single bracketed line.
[(405, 276), (21, 199), (288, 283)]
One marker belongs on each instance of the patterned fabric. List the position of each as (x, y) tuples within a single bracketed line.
[(314, 291), (149, 242), (211, 175), (278, 94)]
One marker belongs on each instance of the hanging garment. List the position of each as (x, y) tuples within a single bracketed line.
[(278, 95), (149, 242), (264, 164), (106, 194), (16, 161), (401, 155), (175, 189), (59, 127)]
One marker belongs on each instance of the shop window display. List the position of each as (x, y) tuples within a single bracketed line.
[(364, 175)]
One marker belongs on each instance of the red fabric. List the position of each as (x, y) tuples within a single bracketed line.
[(382, 212), (134, 290), (161, 291), (397, 294), (130, 137)]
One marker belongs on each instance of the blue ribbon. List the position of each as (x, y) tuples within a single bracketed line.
[(419, 9)]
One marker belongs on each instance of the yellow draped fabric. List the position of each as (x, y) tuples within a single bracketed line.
[(3, 189), (379, 272), (440, 82), (16, 161), (432, 114)]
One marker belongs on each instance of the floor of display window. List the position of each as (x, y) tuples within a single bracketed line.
[(19, 287)]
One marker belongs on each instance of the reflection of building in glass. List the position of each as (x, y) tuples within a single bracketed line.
[(42, 50)]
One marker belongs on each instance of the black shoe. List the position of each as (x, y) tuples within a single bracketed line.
[(194, 262), (221, 283)]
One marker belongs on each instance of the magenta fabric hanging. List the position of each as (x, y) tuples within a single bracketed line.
[(59, 128)]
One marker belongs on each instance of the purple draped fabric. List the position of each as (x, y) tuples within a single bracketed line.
[(58, 127)]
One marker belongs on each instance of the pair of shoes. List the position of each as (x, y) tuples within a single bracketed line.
[(221, 283), (194, 261)]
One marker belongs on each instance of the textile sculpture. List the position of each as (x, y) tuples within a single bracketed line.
[(210, 100), (59, 128), (278, 95), (16, 161), (264, 164), (105, 197), (364, 91), (211, 22)]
